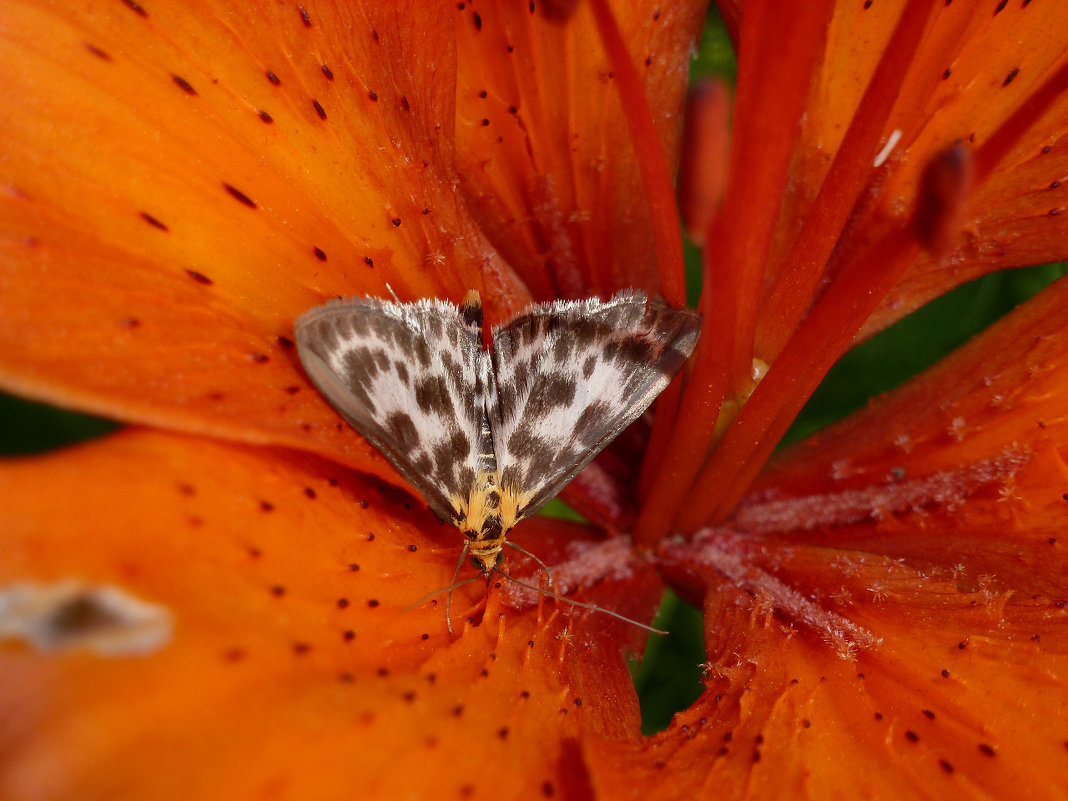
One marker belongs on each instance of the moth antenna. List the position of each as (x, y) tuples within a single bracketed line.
[(541, 564), (454, 584), (449, 589), (573, 602)]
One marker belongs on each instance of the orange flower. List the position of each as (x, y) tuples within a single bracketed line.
[(217, 606)]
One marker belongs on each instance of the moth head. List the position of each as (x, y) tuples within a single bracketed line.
[(486, 563), (485, 545)]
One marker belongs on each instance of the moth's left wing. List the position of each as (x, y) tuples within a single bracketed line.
[(412, 378), (571, 375)]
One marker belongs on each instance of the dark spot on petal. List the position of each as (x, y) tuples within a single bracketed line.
[(273, 78), (148, 218), (278, 590), (305, 17), (327, 72), (547, 789), (239, 196), (373, 96), (354, 567), (96, 51), (310, 493), (927, 713), (234, 654), (319, 254), (301, 648), (266, 506), (1012, 74), (946, 766), (183, 84), (396, 222), (368, 261), (478, 21), (483, 94), (342, 603), (292, 390), (373, 603), (348, 635), (285, 342), (200, 278), (987, 750), (947, 73), (1001, 6), (131, 322), (319, 109), (912, 736), (945, 673), (265, 116)]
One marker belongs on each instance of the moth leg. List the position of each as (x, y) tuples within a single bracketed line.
[(452, 585)]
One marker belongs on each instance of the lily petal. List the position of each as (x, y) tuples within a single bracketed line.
[(837, 672), (182, 181), (290, 666), (553, 183)]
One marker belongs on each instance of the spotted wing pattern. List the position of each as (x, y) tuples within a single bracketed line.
[(570, 376), (413, 379)]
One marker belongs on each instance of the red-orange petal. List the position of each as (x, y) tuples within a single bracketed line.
[(182, 181), (292, 668), (1004, 390), (546, 158), (834, 672), (975, 70)]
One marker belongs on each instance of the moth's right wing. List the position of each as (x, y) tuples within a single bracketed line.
[(412, 379), (570, 376)]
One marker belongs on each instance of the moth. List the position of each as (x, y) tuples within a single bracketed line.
[(488, 437)]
